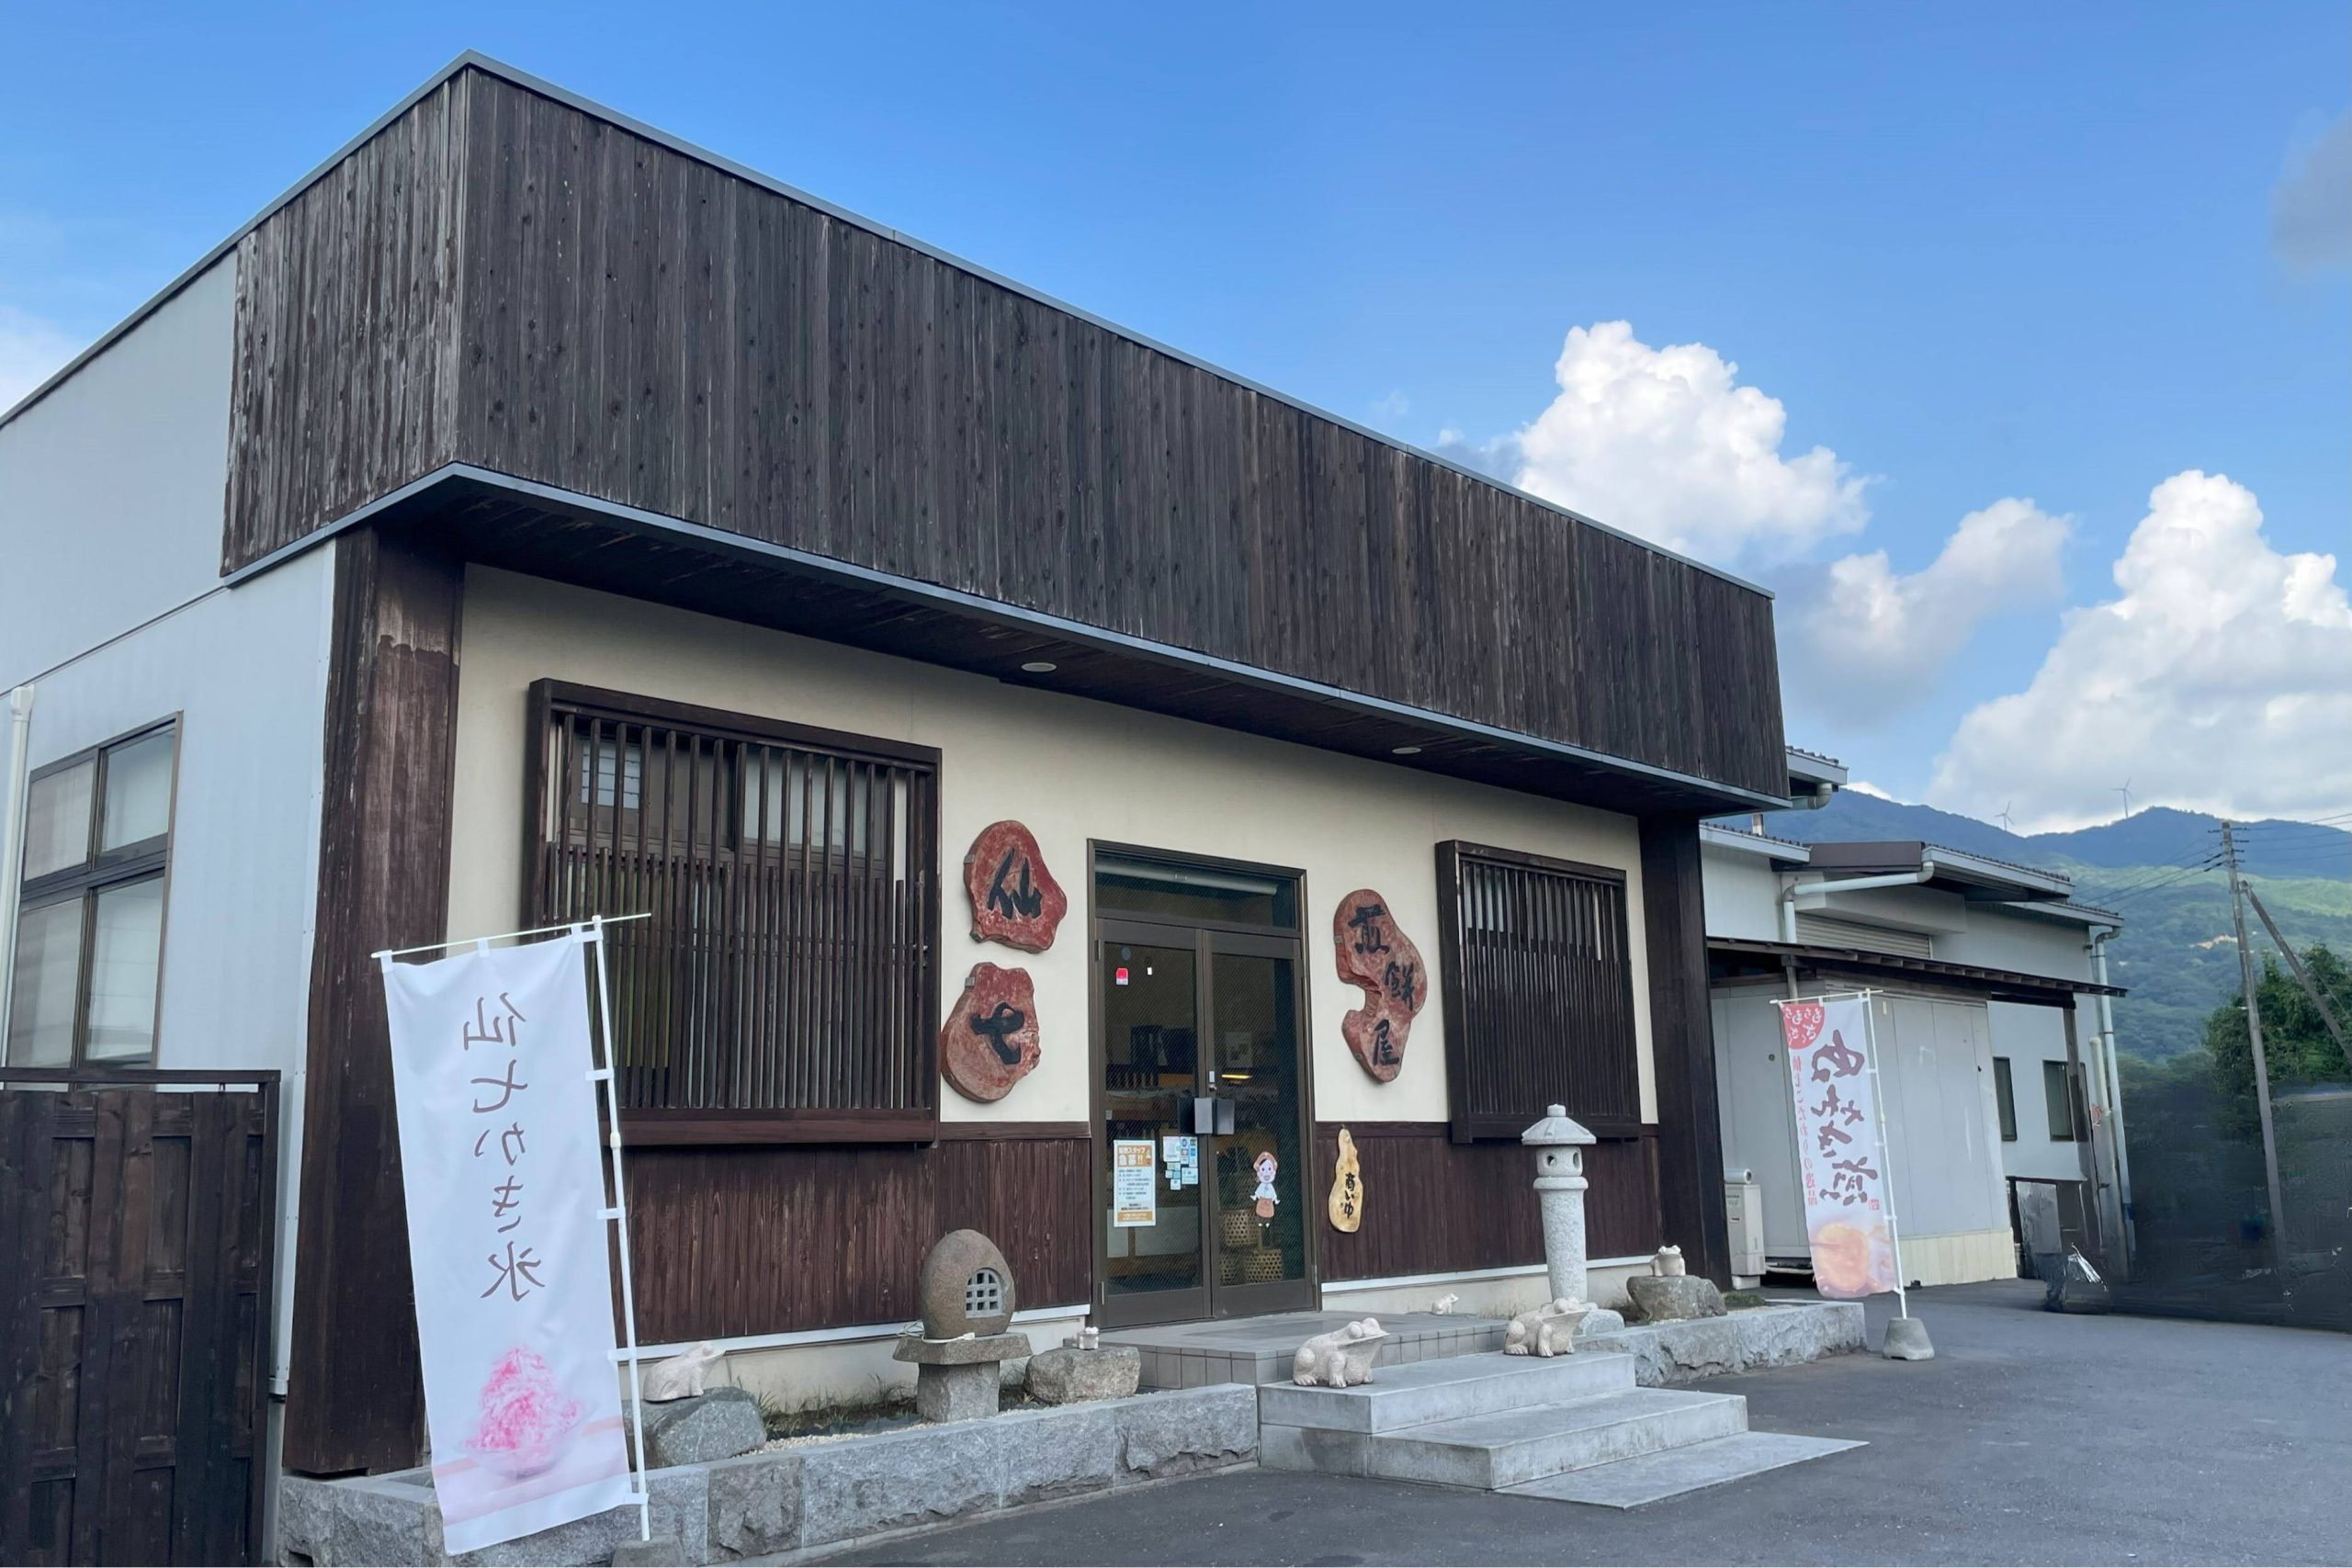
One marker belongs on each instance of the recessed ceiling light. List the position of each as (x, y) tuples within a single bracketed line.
[(1404, 751), (1040, 667)]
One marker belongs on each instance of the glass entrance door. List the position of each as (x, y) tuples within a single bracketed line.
[(1205, 1160)]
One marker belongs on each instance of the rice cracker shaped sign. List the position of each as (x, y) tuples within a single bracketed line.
[(988, 1041), (1373, 953), (1015, 900)]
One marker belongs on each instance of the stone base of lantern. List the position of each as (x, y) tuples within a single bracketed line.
[(957, 1380)]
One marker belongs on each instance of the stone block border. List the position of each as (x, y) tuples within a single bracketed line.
[(813, 1499), (1781, 1334)]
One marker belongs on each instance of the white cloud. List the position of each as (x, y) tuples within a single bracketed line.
[(2220, 678), (2311, 207), (1392, 408), (1881, 638), (30, 352), (1666, 443), (1865, 786)]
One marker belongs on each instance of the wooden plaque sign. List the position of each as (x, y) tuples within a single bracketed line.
[(988, 1040), (1375, 954), (1015, 900)]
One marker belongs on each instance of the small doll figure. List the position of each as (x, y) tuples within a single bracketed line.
[(1265, 1166)]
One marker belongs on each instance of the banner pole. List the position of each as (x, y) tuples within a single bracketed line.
[(619, 1214), (1885, 1152)]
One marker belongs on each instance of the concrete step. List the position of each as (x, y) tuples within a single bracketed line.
[(1445, 1390), (1509, 1448), (1675, 1473), (1260, 1349)]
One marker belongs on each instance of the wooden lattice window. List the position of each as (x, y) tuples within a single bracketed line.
[(1539, 992), (786, 984)]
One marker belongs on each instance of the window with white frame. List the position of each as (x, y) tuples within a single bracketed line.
[(88, 963)]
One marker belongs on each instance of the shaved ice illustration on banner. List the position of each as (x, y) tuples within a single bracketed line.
[(1849, 1214), (490, 1063)]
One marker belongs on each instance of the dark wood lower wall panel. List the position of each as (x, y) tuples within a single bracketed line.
[(1433, 1206), (774, 1238)]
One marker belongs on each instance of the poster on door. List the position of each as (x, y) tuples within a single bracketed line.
[(505, 1191), (1135, 1184), (1850, 1217)]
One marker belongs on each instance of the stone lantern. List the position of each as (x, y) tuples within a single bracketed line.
[(967, 1302), (1559, 1143)]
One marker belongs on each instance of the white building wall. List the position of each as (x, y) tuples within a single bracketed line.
[(111, 496), (1742, 892), (1943, 1104), (2001, 938), (111, 487)]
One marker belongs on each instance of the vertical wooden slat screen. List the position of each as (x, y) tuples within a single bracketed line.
[(1539, 992), (785, 986)]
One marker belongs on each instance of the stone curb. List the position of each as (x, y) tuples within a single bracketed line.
[(1781, 1335), (815, 1498)]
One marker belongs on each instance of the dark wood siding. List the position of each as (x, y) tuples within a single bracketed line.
[(1433, 1206), (354, 1398), (348, 330), (769, 1239), (639, 326), (1682, 1047)]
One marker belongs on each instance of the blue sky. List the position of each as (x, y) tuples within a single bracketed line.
[(1978, 254)]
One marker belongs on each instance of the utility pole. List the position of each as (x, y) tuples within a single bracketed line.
[(2261, 1066)]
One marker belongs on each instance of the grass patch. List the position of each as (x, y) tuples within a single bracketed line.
[(1740, 1301)]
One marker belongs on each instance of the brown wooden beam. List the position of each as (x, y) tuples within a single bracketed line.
[(354, 1398), (1682, 1048)]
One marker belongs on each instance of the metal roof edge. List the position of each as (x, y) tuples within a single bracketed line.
[(475, 60)]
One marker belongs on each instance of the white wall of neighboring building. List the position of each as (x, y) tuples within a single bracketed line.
[(111, 486), (1937, 1055), (111, 494), (2011, 936)]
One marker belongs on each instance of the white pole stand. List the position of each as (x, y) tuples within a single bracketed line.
[(1907, 1337)]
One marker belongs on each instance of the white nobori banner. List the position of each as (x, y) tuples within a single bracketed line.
[(506, 1235), (1849, 1205)]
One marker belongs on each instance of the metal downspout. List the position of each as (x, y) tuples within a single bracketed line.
[(2114, 1095), (12, 839)]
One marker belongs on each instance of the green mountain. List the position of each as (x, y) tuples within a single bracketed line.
[(2157, 868)]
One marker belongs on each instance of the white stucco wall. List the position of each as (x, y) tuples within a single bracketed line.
[(1073, 770), (111, 486)]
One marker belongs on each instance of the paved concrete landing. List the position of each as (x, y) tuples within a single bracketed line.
[(1259, 1349), (1676, 1472)]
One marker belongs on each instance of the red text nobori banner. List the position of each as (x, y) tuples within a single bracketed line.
[(1848, 1217), (506, 1238)]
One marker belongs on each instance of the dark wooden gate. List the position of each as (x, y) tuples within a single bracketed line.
[(137, 1220)]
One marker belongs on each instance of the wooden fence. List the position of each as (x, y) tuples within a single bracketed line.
[(137, 1225)]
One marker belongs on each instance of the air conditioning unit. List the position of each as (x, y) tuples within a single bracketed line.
[(1744, 1200)]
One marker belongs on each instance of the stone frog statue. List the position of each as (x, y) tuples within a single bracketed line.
[(1668, 1264), (1340, 1358), (1546, 1330), (681, 1377)]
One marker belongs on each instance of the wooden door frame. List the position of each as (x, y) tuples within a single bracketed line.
[(1209, 1299)]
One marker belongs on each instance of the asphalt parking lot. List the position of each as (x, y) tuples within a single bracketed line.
[(2031, 1438)]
